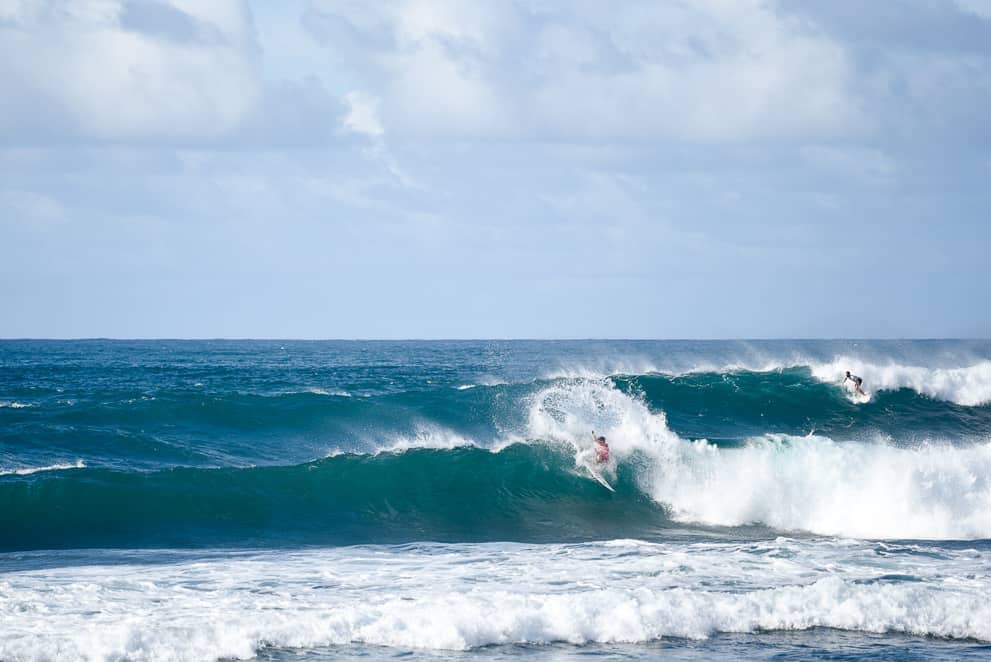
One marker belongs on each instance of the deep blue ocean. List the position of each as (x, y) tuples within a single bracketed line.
[(284, 500)]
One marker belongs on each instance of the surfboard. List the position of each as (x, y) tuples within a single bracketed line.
[(586, 458), (598, 477), (860, 397), (857, 398)]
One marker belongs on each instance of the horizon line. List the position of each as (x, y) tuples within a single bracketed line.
[(479, 339)]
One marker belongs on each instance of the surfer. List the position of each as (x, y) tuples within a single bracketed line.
[(857, 381), (601, 449)]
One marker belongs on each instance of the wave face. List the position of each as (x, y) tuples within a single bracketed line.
[(192, 444), (522, 493)]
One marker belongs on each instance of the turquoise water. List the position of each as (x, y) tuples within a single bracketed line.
[(288, 499)]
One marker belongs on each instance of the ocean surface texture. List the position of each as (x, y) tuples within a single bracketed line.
[(287, 500)]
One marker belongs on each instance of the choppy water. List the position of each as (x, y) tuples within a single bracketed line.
[(199, 500)]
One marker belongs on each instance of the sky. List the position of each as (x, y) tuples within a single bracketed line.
[(495, 169)]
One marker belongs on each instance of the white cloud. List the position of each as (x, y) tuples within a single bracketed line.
[(980, 8), (362, 116), (88, 68), (474, 25), (561, 45), (709, 71)]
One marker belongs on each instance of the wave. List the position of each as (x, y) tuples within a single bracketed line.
[(316, 390), (464, 596), (968, 385), (533, 490), (499, 463), (817, 485), (866, 488), (521, 493), (292, 427), (793, 401)]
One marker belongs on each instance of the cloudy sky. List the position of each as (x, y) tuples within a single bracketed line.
[(527, 168)]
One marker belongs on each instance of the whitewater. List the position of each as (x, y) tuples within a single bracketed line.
[(286, 499)]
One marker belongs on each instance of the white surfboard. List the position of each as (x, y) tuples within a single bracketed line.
[(586, 458), (861, 397), (598, 477), (857, 398)]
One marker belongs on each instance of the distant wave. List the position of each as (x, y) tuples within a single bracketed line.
[(968, 386), (964, 385), (333, 392)]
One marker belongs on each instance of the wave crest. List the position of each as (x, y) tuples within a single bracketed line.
[(969, 386), (26, 471)]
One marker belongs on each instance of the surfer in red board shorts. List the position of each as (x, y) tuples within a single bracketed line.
[(601, 449)]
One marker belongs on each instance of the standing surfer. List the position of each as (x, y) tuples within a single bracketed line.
[(857, 381), (601, 449)]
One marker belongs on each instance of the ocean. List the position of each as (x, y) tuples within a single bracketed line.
[(312, 500)]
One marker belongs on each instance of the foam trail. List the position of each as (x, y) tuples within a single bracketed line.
[(603, 367), (459, 597), (870, 490), (316, 390), (425, 436), (78, 464)]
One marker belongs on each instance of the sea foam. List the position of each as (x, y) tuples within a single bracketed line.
[(465, 596)]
